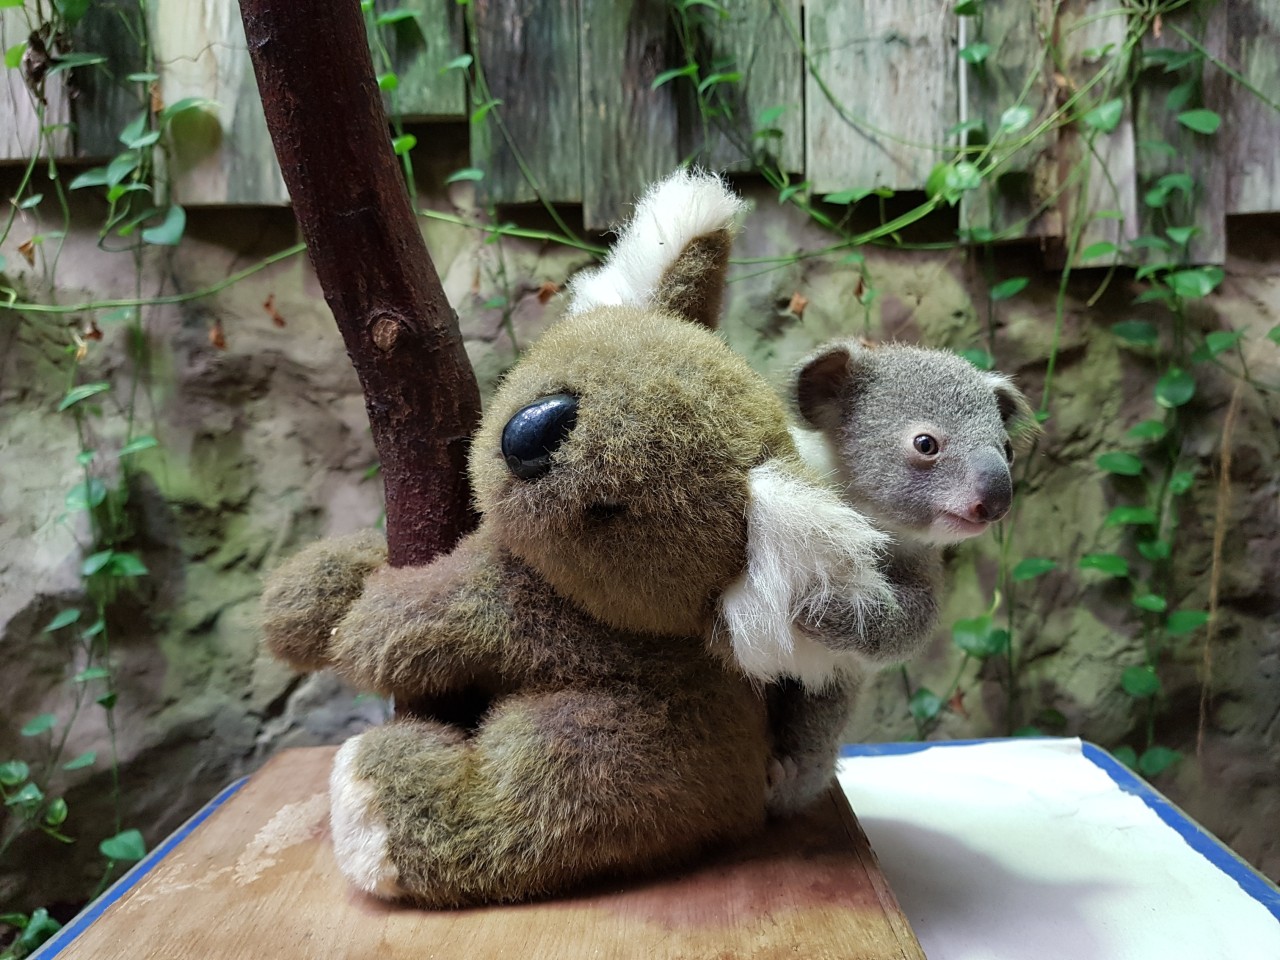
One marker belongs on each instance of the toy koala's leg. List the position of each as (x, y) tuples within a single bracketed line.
[(806, 727), (551, 791)]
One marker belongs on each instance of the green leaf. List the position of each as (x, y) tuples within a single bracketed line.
[(169, 232), (1148, 430), (1006, 289), (457, 63), (69, 61), (1028, 732), (1126, 755), (95, 562), (31, 201), (1182, 235), (394, 16), (127, 846), (121, 166), (1108, 563), (142, 77), (1149, 242), (975, 53), (138, 444), (1157, 760), (184, 105), (133, 129), (950, 181), (1216, 342), (718, 78), (979, 638), (1131, 516), (56, 813), (1201, 121), (845, 197), (1175, 388), (1195, 283), (86, 495), (29, 797), (64, 619), (1135, 331), (95, 628), (924, 705), (13, 56), (467, 173), (969, 8), (791, 189), (80, 762), (979, 358), (1274, 334), (1015, 118), (388, 82), (1181, 482), (82, 392), (1151, 602), (1140, 682), (97, 177), (1106, 116), (13, 772), (107, 700), (1154, 550), (91, 673), (403, 144), (1185, 621), (128, 565), (666, 76), (1125, 464), (1032, 567), (1103, 248), (39, 724), (1179, 96)]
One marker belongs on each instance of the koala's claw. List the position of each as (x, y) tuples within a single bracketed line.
[(780, 770)]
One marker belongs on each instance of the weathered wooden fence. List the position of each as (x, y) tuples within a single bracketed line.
[(873, 93)]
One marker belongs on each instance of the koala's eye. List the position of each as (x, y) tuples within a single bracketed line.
[(535, 432), (1008, 451), (925, 445)]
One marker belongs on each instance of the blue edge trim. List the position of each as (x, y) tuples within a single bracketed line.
[(60, 940), (1196, 837)]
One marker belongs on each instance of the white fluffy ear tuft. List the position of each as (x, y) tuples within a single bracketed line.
[(805, 547), (672, 213)]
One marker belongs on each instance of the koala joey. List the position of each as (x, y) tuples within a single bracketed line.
[(920, 442)]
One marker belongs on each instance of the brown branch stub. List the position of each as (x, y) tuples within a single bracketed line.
[(326, 120)]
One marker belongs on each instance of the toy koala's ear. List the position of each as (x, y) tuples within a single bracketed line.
[(673, 253), (823, 381), (1015, 410)]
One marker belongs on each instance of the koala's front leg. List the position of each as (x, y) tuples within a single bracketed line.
[(430, 630), (806, 727), (889, 632), (309, 594)]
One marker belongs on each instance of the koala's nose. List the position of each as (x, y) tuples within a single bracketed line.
[(994, 494)]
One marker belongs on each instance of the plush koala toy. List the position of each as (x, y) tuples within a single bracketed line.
[(573, 718), (919, 441)]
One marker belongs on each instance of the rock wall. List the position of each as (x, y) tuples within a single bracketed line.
[(264, 446)]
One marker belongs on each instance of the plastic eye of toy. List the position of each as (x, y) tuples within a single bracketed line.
[(536, 432)]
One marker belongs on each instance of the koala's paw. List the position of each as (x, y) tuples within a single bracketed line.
[(360, 835), (307, 595), (793, 785)]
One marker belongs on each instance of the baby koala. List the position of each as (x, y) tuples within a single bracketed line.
[(920, 441)]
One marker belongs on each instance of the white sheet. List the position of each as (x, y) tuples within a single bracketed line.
[(1026, 850)]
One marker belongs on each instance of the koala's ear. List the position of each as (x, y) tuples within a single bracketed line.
[(1015, 410), (824, 380), (673, 253)]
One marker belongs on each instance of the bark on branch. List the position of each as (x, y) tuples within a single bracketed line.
[(325, 115)]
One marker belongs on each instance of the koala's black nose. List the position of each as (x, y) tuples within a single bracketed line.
[(993, 495), (535, 432)]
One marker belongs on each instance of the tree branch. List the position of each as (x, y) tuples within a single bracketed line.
[(325, 115)]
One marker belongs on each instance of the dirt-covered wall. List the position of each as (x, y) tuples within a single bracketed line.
[(263, 446)]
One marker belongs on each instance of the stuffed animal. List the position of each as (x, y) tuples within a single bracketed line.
[(579, 711)]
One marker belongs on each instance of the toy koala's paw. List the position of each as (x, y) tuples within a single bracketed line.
[(308, 595), (360, 836)]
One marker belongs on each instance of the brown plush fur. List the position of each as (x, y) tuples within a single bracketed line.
[(694, 285)]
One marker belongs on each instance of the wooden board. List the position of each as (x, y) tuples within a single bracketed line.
[(878, 112), (419, 48), (1251, 128), (257, 879), (222, 153), (1203, 157), (629, 131), (105, 102), (528, 50), (1017, 197), (761, 41)]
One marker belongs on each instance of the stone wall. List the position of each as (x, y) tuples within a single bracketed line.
[(264, 446)]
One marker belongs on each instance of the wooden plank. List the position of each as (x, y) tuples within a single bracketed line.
[(1019, 196), (1100, 180), (629, 132), (888, 67), (419, 48), (105, 102), (809, 887), (1203, 157), (761, 42), (222, 154), (19, 115), (1251, 128), (528, 50)]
